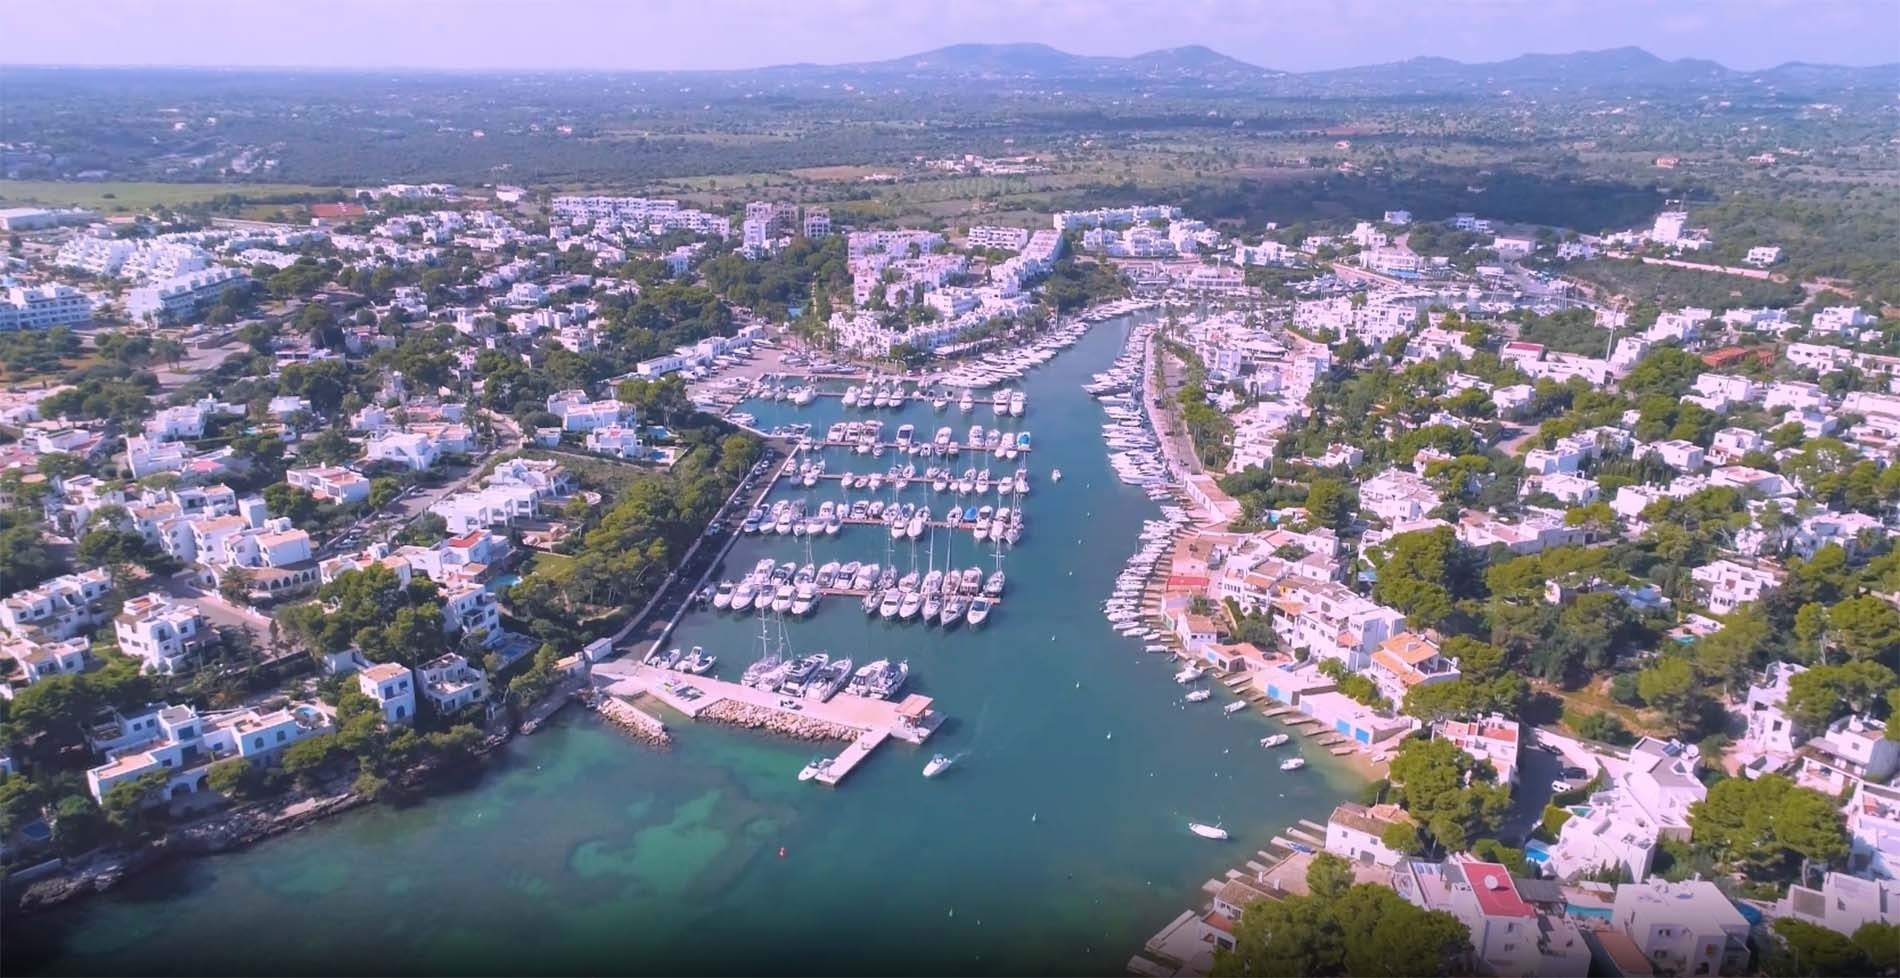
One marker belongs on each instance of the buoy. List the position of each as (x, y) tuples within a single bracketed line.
[(1032, 816), (781, 852)]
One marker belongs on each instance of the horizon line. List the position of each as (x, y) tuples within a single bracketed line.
[(623, 70)]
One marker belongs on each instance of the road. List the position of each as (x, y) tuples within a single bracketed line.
[(652, 623)]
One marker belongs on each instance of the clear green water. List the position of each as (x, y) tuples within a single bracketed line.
[(580, 851)]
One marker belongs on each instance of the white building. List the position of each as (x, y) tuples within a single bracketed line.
[(1001, 238), (57, 609), (1727, 584), (450, 683), (182, 297), (337, 485), (44, 307), (392, 686), (162, 632), (1687, 928)]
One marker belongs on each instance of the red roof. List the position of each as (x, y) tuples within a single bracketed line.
[(337, 210), (1495, 890)]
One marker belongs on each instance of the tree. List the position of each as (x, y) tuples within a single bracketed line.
[(1764, 824), (1451, 795), (20, 803), (1823, 694), (1810, 949), (1359, 930), (128, 805), (1328, 876), (230, 778), (1670, 684), (1881, 943), (1402, 838), (1330, 504), (1866, 628), (306, 759)]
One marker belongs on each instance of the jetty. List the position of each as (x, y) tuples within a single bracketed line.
[(866, 723)]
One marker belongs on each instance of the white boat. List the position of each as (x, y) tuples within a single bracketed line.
[(1188, 674), (979, 611), (887, 608), (1199, 695), (743, 594), (817, 766), (851, 397), (1055, 475), (1207, 831), (966, 404), (909, 605), (1273, 741), (1016, 404), (1293, 764), (722, 596), (804, 598), (1234, 707), (782, 599), (938, 764)]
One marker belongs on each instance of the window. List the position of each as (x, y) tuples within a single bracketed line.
[(257, 742), (280, 736)]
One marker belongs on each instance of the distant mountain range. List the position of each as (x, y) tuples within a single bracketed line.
[(1614, 68)]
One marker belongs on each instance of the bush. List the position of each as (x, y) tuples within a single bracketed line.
[(1553, 821), (1600, 727), (1623, 690)]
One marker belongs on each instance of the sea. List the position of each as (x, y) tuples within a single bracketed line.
[(1057, 843)]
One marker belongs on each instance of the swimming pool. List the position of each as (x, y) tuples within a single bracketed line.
[(1601, 913)]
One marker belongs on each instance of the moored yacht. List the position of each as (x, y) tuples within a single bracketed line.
[(722, 596), (979, 611)]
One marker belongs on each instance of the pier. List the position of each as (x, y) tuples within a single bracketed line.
[(866, 723)]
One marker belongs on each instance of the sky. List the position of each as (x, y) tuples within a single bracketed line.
[(633, 35)]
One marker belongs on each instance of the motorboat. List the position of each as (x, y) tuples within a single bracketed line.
[(872, 601), (938, 764), (909, 605), (818, 765), (722, 596), (697, 662), (979, 611), (782, 599), (803, 669), (828, 680), (1199, 695), (993, 587), (1234, 707), (743, 594), (1206, 831), (1189, 673), (804, 598), (827, 575), (1016, 404), (1273, 741), (933, 606), (892, 600), (966, 403), (954, 610), (1293, 764)]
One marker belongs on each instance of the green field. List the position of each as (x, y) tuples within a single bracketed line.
[(111, 198)]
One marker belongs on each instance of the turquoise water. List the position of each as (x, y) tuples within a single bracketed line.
[(580, 851)]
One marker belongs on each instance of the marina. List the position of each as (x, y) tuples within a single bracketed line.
[(616, 849)]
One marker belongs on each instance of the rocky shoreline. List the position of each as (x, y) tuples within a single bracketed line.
[(226, 831), (776, 721), (640, 724)]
